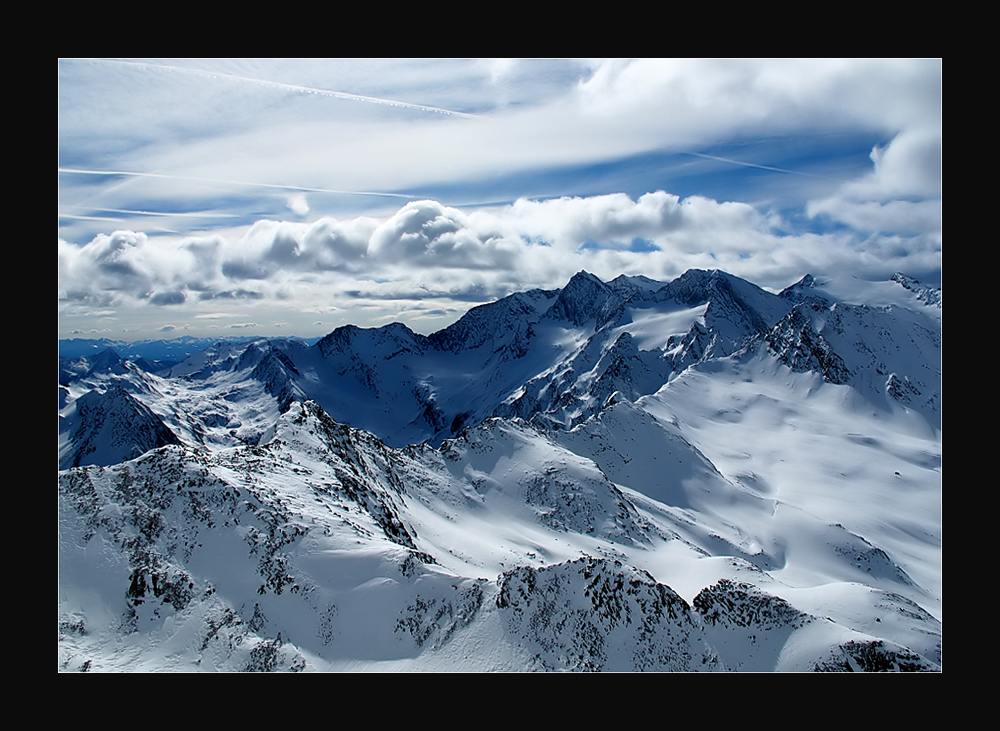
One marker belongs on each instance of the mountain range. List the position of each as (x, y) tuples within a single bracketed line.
[(627, 475)]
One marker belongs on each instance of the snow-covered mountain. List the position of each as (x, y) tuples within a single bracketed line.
[(626, 475)]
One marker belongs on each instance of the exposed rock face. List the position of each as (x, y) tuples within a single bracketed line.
[(736, 604), (594, 614), (799, 346), (924, 293), (586, 299), (873, 656)]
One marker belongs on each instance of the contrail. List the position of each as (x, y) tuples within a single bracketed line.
[(143, 213), (88, 218), (762, 167), (281, 85), (71, 217), (76, 171)]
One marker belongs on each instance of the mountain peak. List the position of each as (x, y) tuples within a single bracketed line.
[(806, 289), (585, 298), (691, 288), (637, 283), (584, 276), (106, 362), (112, 427)]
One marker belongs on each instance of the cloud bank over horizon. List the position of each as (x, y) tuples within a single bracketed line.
[(275, 198)]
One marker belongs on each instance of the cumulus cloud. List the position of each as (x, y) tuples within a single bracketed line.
[(902, 194), (338, 245), (667, 222), (909, 166), (428, 234), (104, 267), (427, 251)]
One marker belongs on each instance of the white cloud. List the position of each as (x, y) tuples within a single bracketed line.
[(902, 195), (616, 221), (621, 108), (705, 99), (298, 204), (430, 251), (427, 234), (909, 166), (225, 137), (333, 245)]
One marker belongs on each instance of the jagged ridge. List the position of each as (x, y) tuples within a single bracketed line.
[(276, 537)]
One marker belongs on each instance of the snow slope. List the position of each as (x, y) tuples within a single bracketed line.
[(645, 476)]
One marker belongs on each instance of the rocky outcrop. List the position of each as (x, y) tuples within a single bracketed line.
[(598, 615)]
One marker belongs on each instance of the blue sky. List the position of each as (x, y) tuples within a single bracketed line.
[(215, 197)]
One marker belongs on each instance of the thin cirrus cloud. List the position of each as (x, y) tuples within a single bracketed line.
[(311, 90), (382, 187)]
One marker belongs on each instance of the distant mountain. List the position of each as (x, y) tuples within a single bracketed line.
[(110, 427), (174, 349), (626, 475)]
